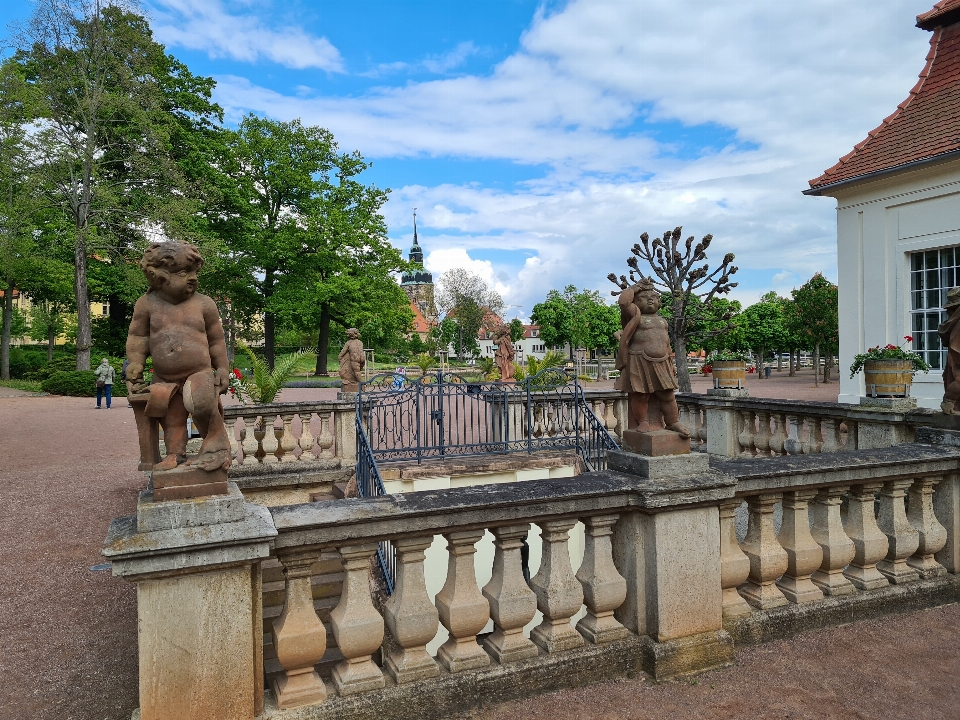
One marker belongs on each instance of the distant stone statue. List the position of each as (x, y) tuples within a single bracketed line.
[(644, 358), (949, 333), (504, 354), (352, 359), (181, 330)]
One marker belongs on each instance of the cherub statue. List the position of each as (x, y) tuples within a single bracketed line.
[(181, 330), (504, 353), (644, 358), (352, 359), (949, 332)]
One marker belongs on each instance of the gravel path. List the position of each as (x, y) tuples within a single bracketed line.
[(67, 469)]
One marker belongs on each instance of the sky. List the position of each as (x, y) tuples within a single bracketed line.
[(538, 139)]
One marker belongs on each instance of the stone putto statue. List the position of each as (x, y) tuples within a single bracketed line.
[(949, 333), (352, 359), (504, 354), (644, 358), (181, 330)]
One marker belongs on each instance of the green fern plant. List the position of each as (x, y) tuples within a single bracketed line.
[(488, 369), (424, 361), (264, 386), (553, 358)]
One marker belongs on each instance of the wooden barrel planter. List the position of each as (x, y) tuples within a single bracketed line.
[(888, 378), (729, 373)]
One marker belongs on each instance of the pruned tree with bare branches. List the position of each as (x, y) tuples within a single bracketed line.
[(690, 285)]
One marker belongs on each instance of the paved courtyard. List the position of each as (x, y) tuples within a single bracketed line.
[(70, 648)]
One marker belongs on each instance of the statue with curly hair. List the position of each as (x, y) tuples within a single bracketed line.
[(504, 353), (181, 330)]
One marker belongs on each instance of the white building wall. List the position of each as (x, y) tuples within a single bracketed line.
[(879, 224)]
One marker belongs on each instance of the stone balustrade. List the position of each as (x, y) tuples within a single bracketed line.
[(666, 584)]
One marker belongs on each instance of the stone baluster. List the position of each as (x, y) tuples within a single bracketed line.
[(768, 561), (559, 595), (463, 610), (288, 443), (838, 549), (410, 615), (804, 555), (234, 447), (870, 544), (306, 438), (685, 417), (814, 442), (270, 442), (512, 603), (609, 419), (250, 441), (902, 539), (746, 435), (260, 433), (852, 430), (933, 535), (831, 435), (552, 428), (325, 441), (778, 436), (702, 432), (621, 410), (357, 626), (604, 590), (762, 439), (792, 445), (298, 635), (734, 565)]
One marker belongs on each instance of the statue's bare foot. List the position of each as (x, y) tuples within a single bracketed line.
[(947, 406), (212, 460), (680, 429), (168, 463)]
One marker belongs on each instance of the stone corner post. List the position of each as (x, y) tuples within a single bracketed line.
[(196, 565), (722, 424)]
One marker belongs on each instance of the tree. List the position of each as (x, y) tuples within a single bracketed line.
[(516, 330), (681, 275), (763, 327), (466, 299), (578, 317), (554, 317), (106, 113), (817, 317)]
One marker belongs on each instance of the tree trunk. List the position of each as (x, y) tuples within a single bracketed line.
[(51, 335), (323, 341), (760, 356), (779, 361), (794, 355), (683, 372), (269, 333), (5, 335), (816, 365), (827, 367), (81, 291)]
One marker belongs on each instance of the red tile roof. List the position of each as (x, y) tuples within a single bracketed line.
[(924, 126), (944, 12)]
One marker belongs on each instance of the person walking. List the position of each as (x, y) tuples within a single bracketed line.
[(104, 375)]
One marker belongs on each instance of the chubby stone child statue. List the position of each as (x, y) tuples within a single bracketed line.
[(181, 330), (352, 359), (644, 358)]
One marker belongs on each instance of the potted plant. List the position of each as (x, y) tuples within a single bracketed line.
[(728, 367), (888, 370)]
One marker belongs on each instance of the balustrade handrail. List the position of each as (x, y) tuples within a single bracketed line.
[(917, 416), (283, 408)]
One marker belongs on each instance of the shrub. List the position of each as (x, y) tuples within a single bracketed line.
[(23, 362), (60, 363), (78, 383)]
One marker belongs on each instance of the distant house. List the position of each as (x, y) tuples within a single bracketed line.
[(529, 345), (898, 217)]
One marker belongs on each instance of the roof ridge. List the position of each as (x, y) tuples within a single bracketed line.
[(922, 78)]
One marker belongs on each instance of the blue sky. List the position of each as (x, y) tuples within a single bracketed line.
[(539, 139)]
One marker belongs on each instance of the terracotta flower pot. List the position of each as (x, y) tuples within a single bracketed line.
[(888, 378), (729, 373)]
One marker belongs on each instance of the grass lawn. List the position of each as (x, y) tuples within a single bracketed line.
[(26, 385)]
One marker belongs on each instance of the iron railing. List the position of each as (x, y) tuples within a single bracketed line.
[(370, 484)]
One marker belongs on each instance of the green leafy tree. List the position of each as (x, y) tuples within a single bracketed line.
[(684, 275), (817, 317), (554, 317), (763, 327), (469, 302), (516, 330), (579, 318)]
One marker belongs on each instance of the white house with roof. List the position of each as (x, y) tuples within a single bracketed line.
[(898, 217), (529, 345)]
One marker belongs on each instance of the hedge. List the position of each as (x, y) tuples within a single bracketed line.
[(78, 383)]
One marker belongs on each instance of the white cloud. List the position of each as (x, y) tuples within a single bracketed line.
[(446, 62), (207, 25)]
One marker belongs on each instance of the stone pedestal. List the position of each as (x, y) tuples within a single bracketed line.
[(665, 466), (722, 423), (197, 571), (655, 443), (186, 481)]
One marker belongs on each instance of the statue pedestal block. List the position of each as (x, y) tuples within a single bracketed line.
[(655, 468), (185, 482), (655, 443)]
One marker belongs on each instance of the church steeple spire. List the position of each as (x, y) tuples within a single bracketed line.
[(416, 252)]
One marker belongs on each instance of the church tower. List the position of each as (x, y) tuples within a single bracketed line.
[(417, 283)]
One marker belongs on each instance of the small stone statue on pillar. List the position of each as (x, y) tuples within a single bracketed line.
[(949, 333), (504, 354), (181, 330), (352, 359), (648, 375)]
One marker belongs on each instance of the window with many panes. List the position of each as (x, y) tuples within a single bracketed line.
[(932, 274)]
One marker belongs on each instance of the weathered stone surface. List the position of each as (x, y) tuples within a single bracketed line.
[(946, 504), (870, 544), (888, 404), (937, 436), (804, 555), (463, 609), (410, 616), (559, 595), (153, 514), (728, 392), (512, 603), (768, 560), (352, 360), (734, 565), (604, 590), (655, 443), (357, 626), (687, 655), (666, 466)]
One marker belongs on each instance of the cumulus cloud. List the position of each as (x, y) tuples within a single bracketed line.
[(796, 84), (207, 25)]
